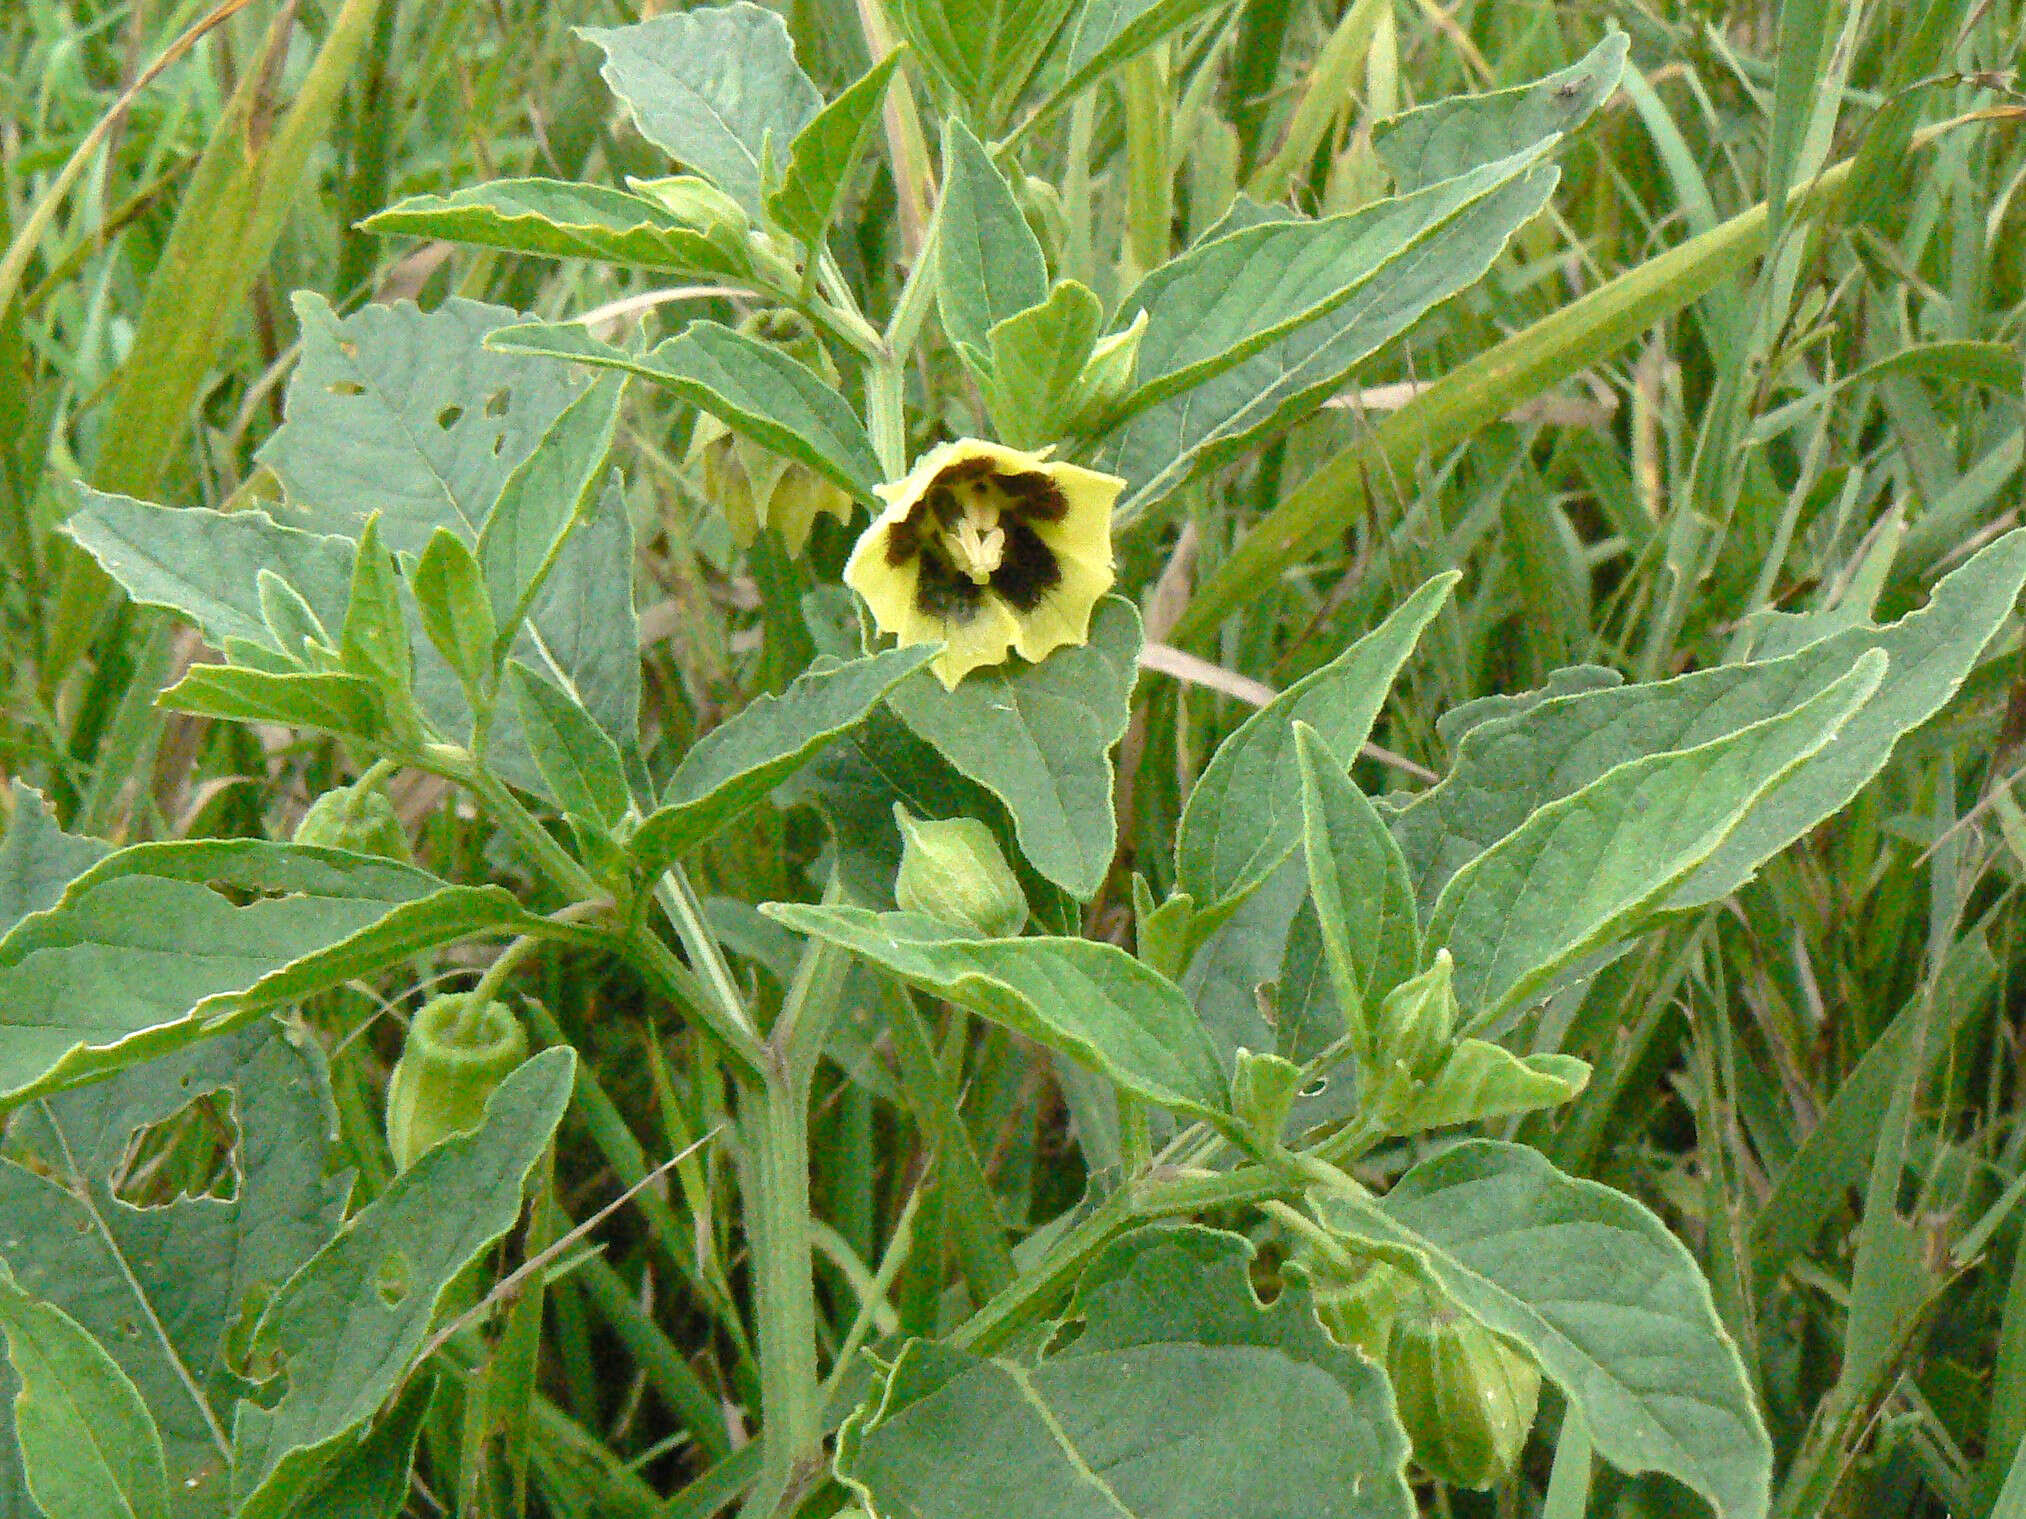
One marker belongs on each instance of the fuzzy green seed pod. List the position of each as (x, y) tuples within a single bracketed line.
[(1466, 1397), (951, 870), (359, 818), (458, 1051)]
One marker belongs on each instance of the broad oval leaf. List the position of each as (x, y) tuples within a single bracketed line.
[(718, 90), (989, 265), (738, 762), (1093, 1002), (984, 50), (1181, 1397), (1586, 869), (1244, 816), (1609, 1302), (1038, 357), (146, 949), (1039, 737)]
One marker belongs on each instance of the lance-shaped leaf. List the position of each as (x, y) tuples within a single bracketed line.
[(407, 413), (37, 858), (1232, 297), (345, 704), (152, 944), (1039, 737), (1610, 1304), (1038, 357), (989, 265), (1182, 1396), (1451, 137), (555, 218), (1244, 817), (583, 767), (543, 500), (736, 764), (754, 388), (718, 90), (1587, 869), (1516, 761), (1093, 1002), (1364, 901), (162, 1288), (824, 153), (984, 50), (1485, 1080), (1104, 33), (350, 1322), (1163, 445), (87, 1443), (206, 565)]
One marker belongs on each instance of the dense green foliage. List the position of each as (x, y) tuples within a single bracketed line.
[(1528, 841)]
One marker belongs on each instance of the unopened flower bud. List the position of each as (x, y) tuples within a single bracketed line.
[(1466, 1397), (359, 818), (1359, 1307), (951, 870), (458, 1052), (1417, 1021)]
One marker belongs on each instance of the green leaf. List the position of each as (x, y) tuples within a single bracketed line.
[(345, 704), (351, 1321), (1244, 815), (1093, 1002), (153, 944), (824, 153), (1484, 1080), (1364, 901), (1610, 1304), (717, 90), (1518, 760), (989, 265), (1586, 869), (1452, 137), (206, 565), (407, 413), (557, 219), (582, 765), (983, 50), (1038, 357), (1039, 737), (372, 1479), (583, 632), (736, 764), (89, 1447), (1102, 34), (164, 1289), (544, 499), (456, 611), (373, 641), (1229, 298), (754, 388), (1161, 446), (37, 858), (1181, 1397)]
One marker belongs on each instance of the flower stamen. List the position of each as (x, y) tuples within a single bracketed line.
[(977, 542)]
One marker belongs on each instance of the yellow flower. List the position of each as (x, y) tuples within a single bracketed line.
[(986, 549), (757, 489)]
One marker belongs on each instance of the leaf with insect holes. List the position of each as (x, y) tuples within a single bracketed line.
[(350, 1322), (406, 412), (717, 89), (1182, 1396), (162, 1287), (153, 945)]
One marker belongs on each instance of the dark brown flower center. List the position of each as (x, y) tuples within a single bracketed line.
[(972, 533)]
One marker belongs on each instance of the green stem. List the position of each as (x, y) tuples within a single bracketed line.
[(971, 1209), (777, 1223)]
